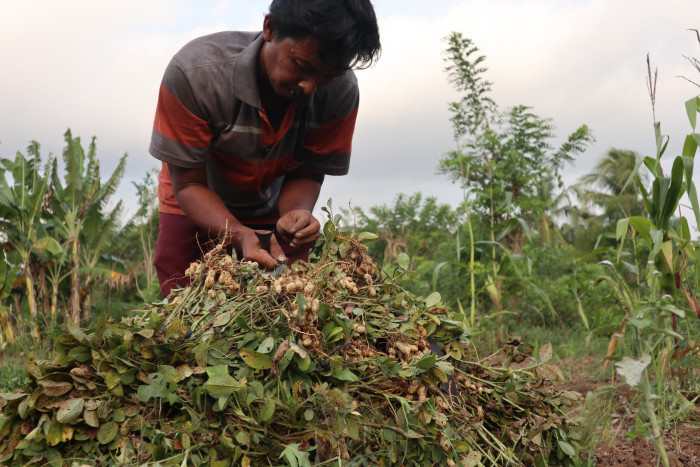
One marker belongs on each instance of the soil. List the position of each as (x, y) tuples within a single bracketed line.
[(682, 442)]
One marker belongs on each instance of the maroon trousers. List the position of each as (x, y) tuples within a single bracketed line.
[(181, 242)]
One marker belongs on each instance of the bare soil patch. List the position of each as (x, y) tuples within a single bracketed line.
[(682, 442)]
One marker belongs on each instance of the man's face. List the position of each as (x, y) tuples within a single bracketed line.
[(293, 67)]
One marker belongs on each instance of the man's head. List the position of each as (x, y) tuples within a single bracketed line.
[(346, 30), (311, 41)]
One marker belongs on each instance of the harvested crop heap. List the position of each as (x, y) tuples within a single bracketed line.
[(328, 364)]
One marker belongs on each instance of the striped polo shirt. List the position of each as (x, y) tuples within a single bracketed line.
[(209, 115)]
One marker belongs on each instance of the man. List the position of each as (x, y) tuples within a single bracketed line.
[(247, 126)]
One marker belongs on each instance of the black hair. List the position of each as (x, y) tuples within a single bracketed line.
[(346, 30)]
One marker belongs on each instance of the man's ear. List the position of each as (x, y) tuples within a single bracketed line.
[(268, 29)]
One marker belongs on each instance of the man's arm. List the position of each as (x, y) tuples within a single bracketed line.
[(206, 209)]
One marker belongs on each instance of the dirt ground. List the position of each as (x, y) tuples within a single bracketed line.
[(682, 442)]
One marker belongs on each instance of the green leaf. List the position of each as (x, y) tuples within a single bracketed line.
[(693, 197), (242, 323), (621, 234), (267, 345), (567, 448), (433, 299), (69, 410), (653, 166), (690, 147), (242, 437), (256, 360), (58, 433), (365, 237), (346, 375), (80, 354), (692, 106), (295, 457), (309, 415), (436, 273), (403, 260), (675, 192), (640, 323), (118, 415), (107, 432), (427, 361), (301, 304), (200, 353), (222, 319), (156, 387), (329, 231), (667, 251), (111, 378), (147, 333), (49, 244), (53, 457), (170, 374), (220, 383), (631, 370), (267, 411), (335, 334)]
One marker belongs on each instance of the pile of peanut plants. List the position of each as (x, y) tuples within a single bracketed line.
[(328, 363)]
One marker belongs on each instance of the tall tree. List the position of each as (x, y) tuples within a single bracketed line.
[(502, 157)]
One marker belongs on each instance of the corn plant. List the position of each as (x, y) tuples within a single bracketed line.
[(651, 313)]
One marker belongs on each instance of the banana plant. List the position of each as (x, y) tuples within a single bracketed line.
[(8, 275), (80, 195), (24, 196)]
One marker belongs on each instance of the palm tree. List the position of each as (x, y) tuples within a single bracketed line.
[(610, 188)]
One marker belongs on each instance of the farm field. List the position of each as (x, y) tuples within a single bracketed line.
[(528, 324)]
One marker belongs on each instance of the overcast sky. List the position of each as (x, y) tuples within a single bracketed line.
[(95, 67)]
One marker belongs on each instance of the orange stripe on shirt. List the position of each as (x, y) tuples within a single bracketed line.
[(251, 176), (166, 197), (173, 120), (334, 137)]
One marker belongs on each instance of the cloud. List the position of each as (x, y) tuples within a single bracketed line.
[(95, 67)]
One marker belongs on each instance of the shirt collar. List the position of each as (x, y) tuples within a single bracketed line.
[(245, 73)]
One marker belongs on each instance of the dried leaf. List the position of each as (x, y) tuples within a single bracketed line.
[(545, 353), (631, 370), (55, 388), (90, 417)]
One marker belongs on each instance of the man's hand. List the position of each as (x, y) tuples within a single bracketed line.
[(253, 251), (299, 228)]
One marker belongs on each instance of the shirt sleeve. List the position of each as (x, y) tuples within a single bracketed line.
[(181, 135), (327, 149)]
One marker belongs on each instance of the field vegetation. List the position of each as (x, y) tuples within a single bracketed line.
[(578, 303)]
